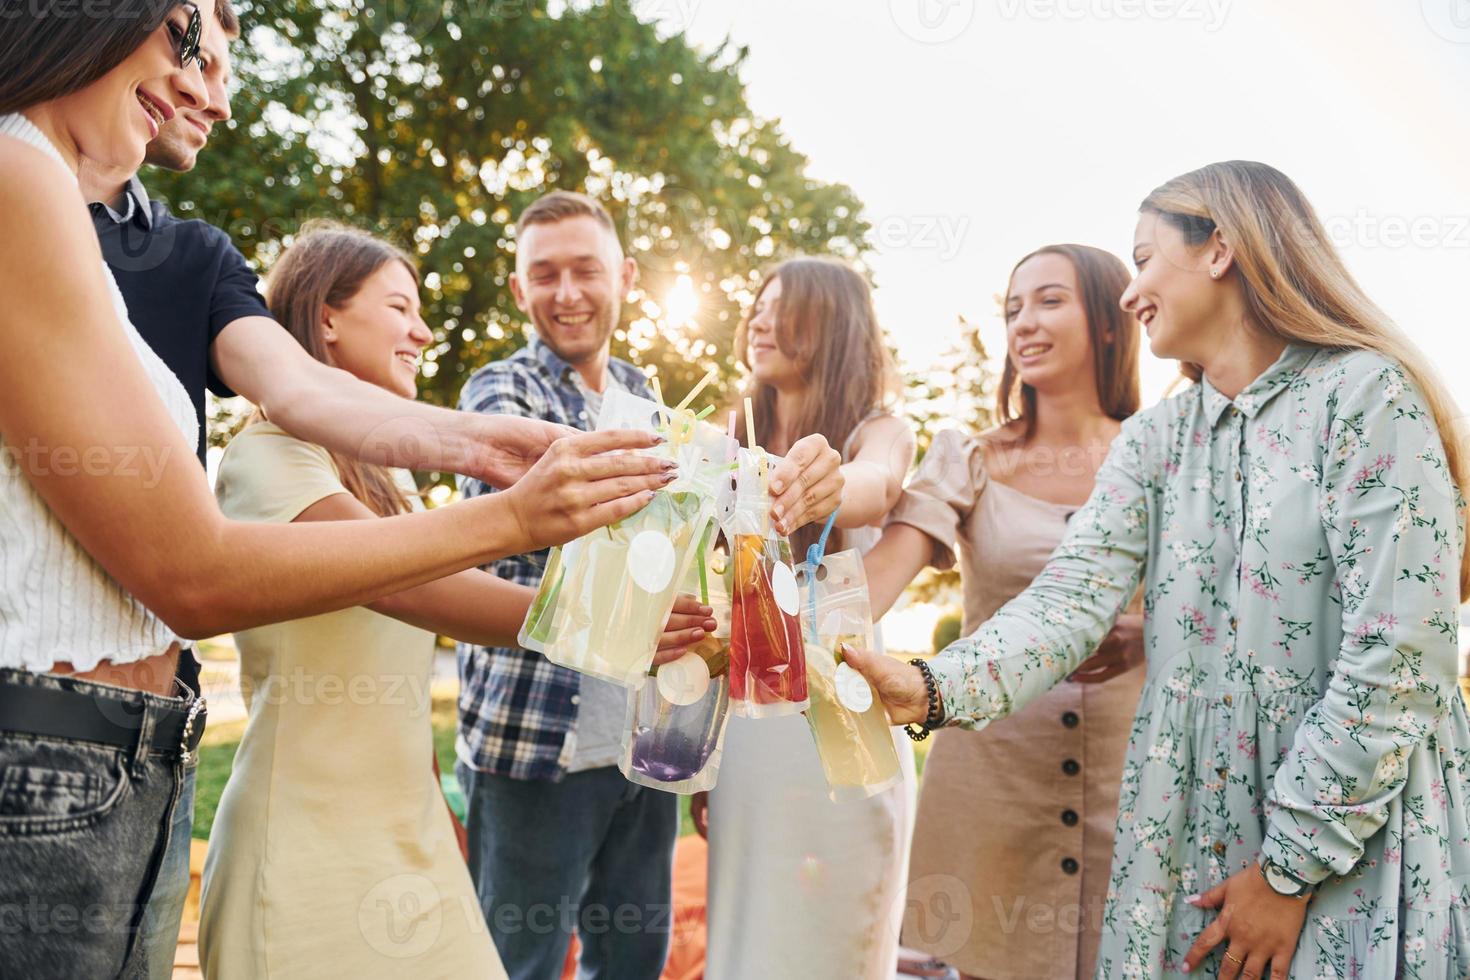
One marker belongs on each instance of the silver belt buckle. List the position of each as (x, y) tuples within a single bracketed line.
[(195, 707)]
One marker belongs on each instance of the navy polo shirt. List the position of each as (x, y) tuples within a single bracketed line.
[(183, 283)]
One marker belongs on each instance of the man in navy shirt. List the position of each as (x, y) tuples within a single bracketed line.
[(193, 298)]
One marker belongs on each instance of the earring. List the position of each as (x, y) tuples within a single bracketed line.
[(1214, 273)]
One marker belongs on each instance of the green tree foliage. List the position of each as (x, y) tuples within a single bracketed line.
[(435, 123), (958, 391), (946, 630)]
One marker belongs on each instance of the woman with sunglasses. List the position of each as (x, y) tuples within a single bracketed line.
[(113, 549)]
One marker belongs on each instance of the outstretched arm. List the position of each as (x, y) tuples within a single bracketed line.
[(476, 607), (882, 453), (1040, 637), (84, 427), (330, 407), (892, 564)]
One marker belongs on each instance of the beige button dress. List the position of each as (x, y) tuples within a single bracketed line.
[(1014, 833), (332, 853)]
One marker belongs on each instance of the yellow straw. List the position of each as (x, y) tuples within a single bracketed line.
[(750, 440), (658, 396), (696, 389)]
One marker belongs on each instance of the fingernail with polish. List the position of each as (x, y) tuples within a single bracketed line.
[(777, 486), (1193, 899)]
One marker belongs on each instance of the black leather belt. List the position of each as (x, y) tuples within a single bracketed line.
[(79, 714)]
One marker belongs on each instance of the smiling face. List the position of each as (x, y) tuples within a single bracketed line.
[(570, 280), (768, 363), (1182, 308), (113, 119), (182, 138), (379, 333), (1047, 336)]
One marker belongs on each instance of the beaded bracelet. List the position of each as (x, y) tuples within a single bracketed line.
[(933, 719)]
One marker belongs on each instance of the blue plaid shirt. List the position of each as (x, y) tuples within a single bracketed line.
[(516, 707)]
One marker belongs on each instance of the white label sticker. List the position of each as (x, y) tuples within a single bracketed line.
[(651, 561), (853, 690), (683, 681), (783, 584)]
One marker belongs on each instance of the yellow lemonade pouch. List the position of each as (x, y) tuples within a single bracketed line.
[(851, 729)]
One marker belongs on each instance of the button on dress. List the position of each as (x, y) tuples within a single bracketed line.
[(1299, 547), (1009, 871)]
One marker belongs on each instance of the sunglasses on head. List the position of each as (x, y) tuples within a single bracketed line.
[(186, 42)]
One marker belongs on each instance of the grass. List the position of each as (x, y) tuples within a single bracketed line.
[(217, 758)]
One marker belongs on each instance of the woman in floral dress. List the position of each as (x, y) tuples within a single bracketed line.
[(1294, 800)]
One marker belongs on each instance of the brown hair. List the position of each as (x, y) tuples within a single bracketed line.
[(1294, 283), (1102, 277), (224, 12), (48, 53), (827, 326), (561, 205), (326, 265)]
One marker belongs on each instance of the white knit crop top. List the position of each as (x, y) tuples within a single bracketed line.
[(56, 602)]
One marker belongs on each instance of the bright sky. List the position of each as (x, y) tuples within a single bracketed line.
[(977, 130)]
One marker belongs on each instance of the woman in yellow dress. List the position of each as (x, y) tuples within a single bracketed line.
[(332, 849)]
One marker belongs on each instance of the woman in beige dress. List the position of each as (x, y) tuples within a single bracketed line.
[(800, 885), (332, 853), (1014, 832)]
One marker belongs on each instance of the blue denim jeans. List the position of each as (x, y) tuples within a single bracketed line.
[(165, 910), (591, 853), (84, 828)]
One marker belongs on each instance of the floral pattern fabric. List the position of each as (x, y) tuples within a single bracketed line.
[(1299, 548)]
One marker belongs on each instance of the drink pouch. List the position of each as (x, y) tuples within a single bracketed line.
[(675, 728), (850, 727), (745, 498), (615, 588), (621, 579), (701, 450), (537, 629), (676, 747), (768, 675)]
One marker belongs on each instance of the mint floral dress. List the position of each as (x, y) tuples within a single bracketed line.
[(1300, 549)]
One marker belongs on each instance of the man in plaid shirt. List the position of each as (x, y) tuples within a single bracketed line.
[(559, 840)]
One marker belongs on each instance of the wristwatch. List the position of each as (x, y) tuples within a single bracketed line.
[(1283, 882)]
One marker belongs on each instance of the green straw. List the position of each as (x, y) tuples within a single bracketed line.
[(703, 572)]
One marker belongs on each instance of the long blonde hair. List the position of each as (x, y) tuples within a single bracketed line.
[(326, 265), (1295, 285)]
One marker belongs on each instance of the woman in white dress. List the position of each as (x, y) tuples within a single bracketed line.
[(800, 885)]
